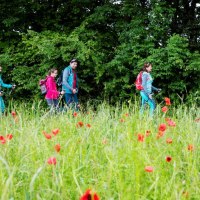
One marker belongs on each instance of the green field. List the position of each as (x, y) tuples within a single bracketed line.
[(100, 149)]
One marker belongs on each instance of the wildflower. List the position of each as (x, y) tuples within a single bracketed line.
[(147, 133), (160, 134), (55, 131), (168, 140), (190, 147), (168, 158), (13, 113), (48, 136), (149, 169), (79, 124), (126, 115), (171, 123), (51, 161), (2, 139), (164, 109), (167, 101), (75, 114), (122, 120), (88, 125), (162, 127), (9, 136), (197, 120), (88, 195), (140, 137), (57, 148)]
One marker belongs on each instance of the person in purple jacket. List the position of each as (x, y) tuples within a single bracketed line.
[(148, 89), (52, 92)]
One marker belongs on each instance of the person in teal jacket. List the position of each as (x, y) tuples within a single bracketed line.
[(148, 88), (70, 83), (3, 85)]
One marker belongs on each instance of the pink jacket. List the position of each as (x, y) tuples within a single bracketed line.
[(52, 92)]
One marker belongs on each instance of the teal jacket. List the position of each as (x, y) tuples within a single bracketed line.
[(2, 84), (68, 79), (147, 81)]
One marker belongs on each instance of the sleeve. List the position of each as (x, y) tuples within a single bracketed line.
[(65, 79), (2, 84), (51, 88)]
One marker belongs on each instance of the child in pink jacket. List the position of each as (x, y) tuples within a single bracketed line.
[(52, 92)]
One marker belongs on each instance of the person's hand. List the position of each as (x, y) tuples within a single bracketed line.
[(74, 91), (62, 92), (159, 89), (150, 96)]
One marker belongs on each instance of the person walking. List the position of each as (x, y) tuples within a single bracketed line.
[(52, 94), (70, 84), (3, 85), (147, 91)]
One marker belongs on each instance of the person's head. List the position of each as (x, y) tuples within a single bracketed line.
[(73, 63), (53, 72), (147, 67)]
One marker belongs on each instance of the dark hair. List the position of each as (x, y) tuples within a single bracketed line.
[(146, 65), (51, 71), (73, 60)]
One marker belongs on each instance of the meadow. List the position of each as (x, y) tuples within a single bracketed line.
[(111, 150)]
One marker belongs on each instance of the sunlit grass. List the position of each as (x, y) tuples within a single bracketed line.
[(107, 157)]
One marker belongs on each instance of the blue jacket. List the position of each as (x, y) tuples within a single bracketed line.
[(147, 81), (68, 78)]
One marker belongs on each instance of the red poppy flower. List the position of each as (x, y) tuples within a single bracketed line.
[(51, 161), (9, 136), (89, 195), (164, 109), (140, 137), (149, 169), (48, 136), (57, 148), (171, 123), (13, 113), (160, 134), (75, 114), (190, 147), (79, 124), (2, 138), (122, 120), (168, 158), (126, 115), (168, 140), (148, 133), (55, 131), (3, 141), (88, 125), (167, 101), (162, 127)]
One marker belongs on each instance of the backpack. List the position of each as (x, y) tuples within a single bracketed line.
[(138, 81), (42, 84), (60, 78)]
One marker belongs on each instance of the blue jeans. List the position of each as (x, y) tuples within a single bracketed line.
[(2, 105), (145, 100), (52, 103), (71, 98)]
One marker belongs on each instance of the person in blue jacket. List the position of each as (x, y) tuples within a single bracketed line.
[(70, 83), (3, 85), (148, 88)]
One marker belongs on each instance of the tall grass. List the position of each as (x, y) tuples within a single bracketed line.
[(107, 157)]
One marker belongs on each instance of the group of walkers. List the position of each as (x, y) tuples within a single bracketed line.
[(70, 88)]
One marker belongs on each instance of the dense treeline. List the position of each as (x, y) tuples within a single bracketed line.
[(111, 39)]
